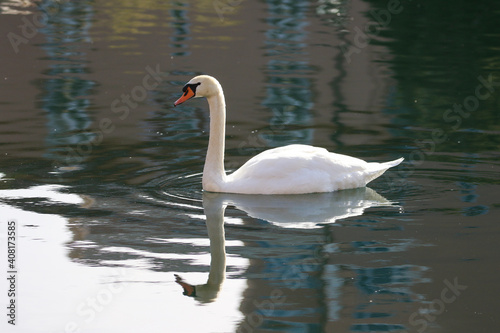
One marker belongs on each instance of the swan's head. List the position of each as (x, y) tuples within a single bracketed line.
[(199, 86)]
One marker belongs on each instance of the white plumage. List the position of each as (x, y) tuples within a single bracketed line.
[(293, 169)]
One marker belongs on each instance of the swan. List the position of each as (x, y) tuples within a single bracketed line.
[(292, 169)]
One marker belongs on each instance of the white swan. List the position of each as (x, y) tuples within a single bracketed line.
[(293, 169)]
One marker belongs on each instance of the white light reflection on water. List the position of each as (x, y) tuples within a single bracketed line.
[(58, 294)]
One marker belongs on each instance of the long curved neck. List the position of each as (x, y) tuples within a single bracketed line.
[(215, 229), (214, 174)]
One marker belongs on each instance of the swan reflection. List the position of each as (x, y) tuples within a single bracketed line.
[(307, 210), (214, 208), (289, 211)]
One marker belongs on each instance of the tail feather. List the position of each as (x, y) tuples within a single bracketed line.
[(392, 164), (379, 168)]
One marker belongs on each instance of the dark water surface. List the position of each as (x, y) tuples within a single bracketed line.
[(102, 177)]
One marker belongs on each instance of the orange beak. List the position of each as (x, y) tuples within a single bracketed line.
[(189, 93)]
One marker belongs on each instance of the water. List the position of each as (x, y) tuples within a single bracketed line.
[(102, 176)]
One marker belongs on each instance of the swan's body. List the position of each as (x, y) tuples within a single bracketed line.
[(292, 169)]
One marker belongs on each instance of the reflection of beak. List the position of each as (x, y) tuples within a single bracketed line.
[(187, 95), (189, 289)]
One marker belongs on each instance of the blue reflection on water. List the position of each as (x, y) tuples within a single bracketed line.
[(288, 91), (65, 94), (180, 25)]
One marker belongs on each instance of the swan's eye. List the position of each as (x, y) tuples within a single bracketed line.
[(189, 91), (192, 86)]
